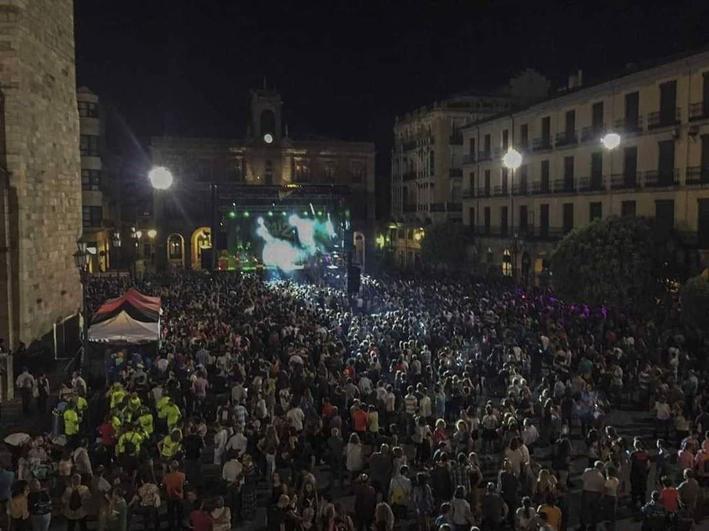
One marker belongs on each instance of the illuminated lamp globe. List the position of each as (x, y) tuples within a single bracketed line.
[(610, 141), (152, 233), (512, 159), (160, 178)]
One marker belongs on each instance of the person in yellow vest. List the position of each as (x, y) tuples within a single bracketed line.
[(146, 422), (171, 413), (71, 422), (81, 407), (160, 407), (132, 409), (129, 443), (170, 446), (116, 394), (116, 420)]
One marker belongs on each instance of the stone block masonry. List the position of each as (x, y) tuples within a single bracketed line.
[(40, 168)]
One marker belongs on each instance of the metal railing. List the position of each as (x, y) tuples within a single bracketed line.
[(500, 190), (540, 188), (541, 144), (564, 186), (592, 134), (664, 118), (409, 176), (470, 158), (566, 138), (699, 110), (629, 125), (622, 181), (484, 155), (657, 178), (595, 183), (697, 175), (454, 207)]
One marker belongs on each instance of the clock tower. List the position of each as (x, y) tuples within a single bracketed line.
[(265, 113)]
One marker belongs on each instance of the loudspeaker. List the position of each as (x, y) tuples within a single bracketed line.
[(353, 279)]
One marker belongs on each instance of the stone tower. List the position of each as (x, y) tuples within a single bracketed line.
[(266, 114), (40, 184)]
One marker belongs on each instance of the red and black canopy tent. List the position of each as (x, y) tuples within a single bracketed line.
[(131, 318)]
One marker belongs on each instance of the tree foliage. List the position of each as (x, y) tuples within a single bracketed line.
[(695, 302), (615, 261), (445, 244)]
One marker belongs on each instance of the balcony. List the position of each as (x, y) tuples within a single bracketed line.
[(456, 139), (566, 138), (468, 194), (530, 232), (498, 191), (621, 181), (658, 178), (541, 144), (699, 111), (484, 155), (541, 188), (483, 192), (409, 176), (591, 184), (696, 175), (455, 173), (520, 188), (564, 186), (592, 134), (470, 158), (629, 125), (664, 118)]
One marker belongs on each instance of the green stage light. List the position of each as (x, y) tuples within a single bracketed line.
[(305, 212), (284, 214), (319, 212), (232, 214), (270, 213), (246, 213)]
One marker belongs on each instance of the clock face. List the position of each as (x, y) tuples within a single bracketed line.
[(268, 138)]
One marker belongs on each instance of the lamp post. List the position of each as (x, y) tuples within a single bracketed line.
[(161, 179), (512, 160), (81, 260), (610, 141), (116, 244)]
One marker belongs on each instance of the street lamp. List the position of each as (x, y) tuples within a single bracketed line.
[(160, 178), (81, 260), (610, 141), (512, 160)]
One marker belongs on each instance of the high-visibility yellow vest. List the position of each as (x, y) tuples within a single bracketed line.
[(129, 436), (146, 422), (71, 422), (170, 448), (173, 415), (117, 397)]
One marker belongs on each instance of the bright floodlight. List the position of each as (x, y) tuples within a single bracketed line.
[(611, 140), (512, 159), (160, 178), (152, 233)]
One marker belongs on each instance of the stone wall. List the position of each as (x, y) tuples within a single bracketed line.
[(40, 193)]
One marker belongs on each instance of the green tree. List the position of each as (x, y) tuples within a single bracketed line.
[(445, 244), (695, 302), (615, 261)]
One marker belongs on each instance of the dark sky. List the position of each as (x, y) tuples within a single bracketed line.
[(346, 68)]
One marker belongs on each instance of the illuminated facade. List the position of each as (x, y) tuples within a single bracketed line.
[(567, 178), (268, 156)]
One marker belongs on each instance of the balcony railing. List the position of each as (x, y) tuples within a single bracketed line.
[(468, 194), (484, 155), (409, 176), (564, 186), (566, 138), (520, 188), (469, 158), (595, 183), (541, 144), (629, 125), (483, 192), (621, 181), (592, 134), (664, 118), (697, 175), (455, 172), (658, 178), (541, 188), (500, 191), (699, 111), (530, 232)]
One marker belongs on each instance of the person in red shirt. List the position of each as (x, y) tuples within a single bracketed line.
[(106, 433), (200, 520), (359, 420), (669, 496), (174, 483)]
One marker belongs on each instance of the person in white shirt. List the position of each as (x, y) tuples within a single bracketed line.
[(530, 435), (231, 471), (220, 440), (296, 417), (237, 442)]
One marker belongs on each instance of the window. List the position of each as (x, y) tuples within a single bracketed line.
[(546, 131), (630, 164), (666, 162), (595, 211), (505, 139), (487, 220), (90, 179), (703, 223), (568, 217), (627, 208), (523, 219), (92, 216), (570, 123), (524, 135), (89, 145), (268, 171), (471, 180), (506, 263), (543, 220), (471, 147), (503, 221), (357, 172), (431, 162), (597, 116), (487, 182), (487, 143), (668, 101), (632, 110), (174, 248), (88, 109), (596, 170), (544, 176), (664, 216), (523, 178), (504, 178), (301, 171), (568, 174), (471, 218)]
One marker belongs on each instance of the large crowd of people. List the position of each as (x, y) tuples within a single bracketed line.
[(420, 403)]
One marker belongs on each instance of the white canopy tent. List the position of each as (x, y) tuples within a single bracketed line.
[(124, 329)]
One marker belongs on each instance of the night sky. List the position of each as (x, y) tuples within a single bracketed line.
[(345, 69)]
